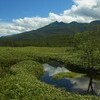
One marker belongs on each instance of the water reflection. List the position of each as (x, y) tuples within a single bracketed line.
[(64, 83), (78, 85), (54, 70)]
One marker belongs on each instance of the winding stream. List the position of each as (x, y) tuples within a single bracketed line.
[(76, 85)]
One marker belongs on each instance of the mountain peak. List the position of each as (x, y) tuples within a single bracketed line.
[(56, 23)]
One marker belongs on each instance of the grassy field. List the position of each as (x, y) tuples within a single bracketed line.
[(32, 52), (20, 73)]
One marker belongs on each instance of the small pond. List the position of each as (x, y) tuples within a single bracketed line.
[(76, 85)]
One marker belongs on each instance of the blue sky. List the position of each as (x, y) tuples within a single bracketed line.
[(17, 16), (13, 9)]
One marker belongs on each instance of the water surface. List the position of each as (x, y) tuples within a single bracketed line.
[(77, 85)]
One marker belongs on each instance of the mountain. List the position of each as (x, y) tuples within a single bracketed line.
[(54, 34)]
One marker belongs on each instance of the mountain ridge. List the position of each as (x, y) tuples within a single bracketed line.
[(56, 31)]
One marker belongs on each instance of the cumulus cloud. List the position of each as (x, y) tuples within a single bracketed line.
[(22, 25), (10, 28), (32, 23), (81, 11)]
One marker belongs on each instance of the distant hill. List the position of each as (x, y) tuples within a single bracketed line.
[(54, 34)]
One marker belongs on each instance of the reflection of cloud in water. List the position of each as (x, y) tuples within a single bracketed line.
[(79, 84), (51, 70)]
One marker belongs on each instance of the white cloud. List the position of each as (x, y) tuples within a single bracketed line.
[(87, 10), (22, 25), (10, 28), (81, 11), (32, 23)]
